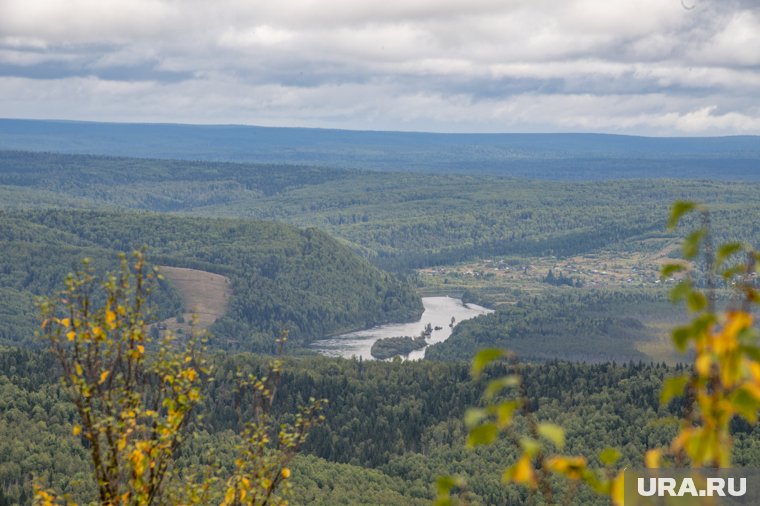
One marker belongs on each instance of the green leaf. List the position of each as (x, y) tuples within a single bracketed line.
[(681, 336), (696, 301), (443, 500), (732, 271), (474, 416), (747, 337), (726, 251), (504, 412), (444, 484), (672, 387), (483, 358), (746, 405), (690, 245), (497, 385), (482, 435), (530, 446), (670, 269), (753, 352), (609, 456), (702, 323), (553, 433), (680, 291), (680, 208)]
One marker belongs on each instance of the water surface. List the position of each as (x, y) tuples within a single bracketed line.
[(438, 312)]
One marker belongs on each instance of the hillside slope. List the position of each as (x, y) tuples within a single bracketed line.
[(281, 277)]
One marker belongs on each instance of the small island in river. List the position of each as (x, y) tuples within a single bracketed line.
[(389, 347)]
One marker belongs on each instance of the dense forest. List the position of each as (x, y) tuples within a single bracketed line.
[(390, 428), (599, 326), (403, 420), (282, 278), (398, 221)]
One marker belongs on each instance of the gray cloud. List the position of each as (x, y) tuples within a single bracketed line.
[(635, 66)]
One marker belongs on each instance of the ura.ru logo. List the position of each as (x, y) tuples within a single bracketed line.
[(661, 487)]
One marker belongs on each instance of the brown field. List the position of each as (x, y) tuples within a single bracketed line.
[(205, 296), (660, 346)]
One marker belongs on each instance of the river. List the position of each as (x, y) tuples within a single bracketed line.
[(438, 312)]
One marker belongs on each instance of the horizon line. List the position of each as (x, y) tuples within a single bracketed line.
[(357, 130)]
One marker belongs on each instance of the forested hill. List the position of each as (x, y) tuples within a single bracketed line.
[(541, 156), (397, 220), (282, 277)]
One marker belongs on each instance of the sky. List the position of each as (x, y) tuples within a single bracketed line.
[(645, 67)]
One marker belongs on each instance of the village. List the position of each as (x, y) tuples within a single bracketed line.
[(636, 268)]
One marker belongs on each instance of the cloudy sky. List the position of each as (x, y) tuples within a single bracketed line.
[(651, 67)]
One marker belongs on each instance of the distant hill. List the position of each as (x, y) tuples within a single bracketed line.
[(542, 156), (395, 220)]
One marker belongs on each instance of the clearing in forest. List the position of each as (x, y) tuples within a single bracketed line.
[(203, 294)]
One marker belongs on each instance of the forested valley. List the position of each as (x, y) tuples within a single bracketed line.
[(319, 250)]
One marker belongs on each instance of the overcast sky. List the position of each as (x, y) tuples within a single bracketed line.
[(650, 67)]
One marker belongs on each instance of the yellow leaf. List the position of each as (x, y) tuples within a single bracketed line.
[(727, 340), (141, 348), (652, 458), (522, 472), (111, 319), (70, 335), (138, 461), (285, 472), (66, 322), (76, 430), (738, 320), (98, 332), (753, 389), (572, 467), (618, 489), (229, 496), (702, 364), (754, 368), (103, 377), (78, 369)]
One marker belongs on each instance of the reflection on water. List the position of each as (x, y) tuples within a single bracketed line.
[(438, 312)]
